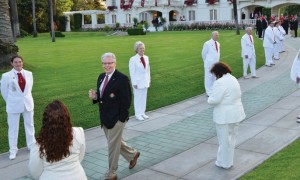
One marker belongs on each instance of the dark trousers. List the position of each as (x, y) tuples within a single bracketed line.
[(296, 32), (259, 33)]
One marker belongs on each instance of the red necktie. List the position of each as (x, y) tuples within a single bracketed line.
[(143, 61), (21, 81), (250, 38), (104, 85), (216, 46)]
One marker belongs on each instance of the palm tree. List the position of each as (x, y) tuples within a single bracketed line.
[(34, 19), (236, 17), (7, 46), (14, 18)]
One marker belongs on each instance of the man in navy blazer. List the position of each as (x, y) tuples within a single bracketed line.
[(113, 95)]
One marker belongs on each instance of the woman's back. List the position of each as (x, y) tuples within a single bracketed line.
[(67, 168)]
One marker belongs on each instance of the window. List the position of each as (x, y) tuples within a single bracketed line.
[(114, 18), (128, 18), (213, 14), (144, 17), (191, 15), (113, 3)]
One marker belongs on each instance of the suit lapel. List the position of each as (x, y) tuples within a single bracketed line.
[(15, 80), (111, 82)]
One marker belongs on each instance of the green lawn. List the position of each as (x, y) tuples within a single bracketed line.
[(284, 165), (68, 68)]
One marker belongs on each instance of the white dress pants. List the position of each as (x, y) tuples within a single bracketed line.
[(281, 46), (13, 120), (227, 134), (140, 100), (277, 47), (268, 55), (209, 80), (249, 62)]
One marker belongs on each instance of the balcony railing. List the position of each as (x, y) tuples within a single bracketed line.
[(152, 3)]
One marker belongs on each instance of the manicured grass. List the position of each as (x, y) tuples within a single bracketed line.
[(68, 68), (283, 165)]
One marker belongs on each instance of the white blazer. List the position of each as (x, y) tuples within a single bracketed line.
[(226, 99), (67, 168), (210, 55), (139, 75), (247, 46), (278, 35), (269, 38), (282, 31), (16, 100)]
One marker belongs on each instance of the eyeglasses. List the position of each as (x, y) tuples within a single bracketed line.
[(107, 63)]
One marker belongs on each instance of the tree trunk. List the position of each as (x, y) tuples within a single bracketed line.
[(34, 19), (51, 20), (236, 17), (7, 46), (14, 19)]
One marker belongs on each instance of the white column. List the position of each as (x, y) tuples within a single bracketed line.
[(94, 20), (239, 15), (68, 26), (82, 22)]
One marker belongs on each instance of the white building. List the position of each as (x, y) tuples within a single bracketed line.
[(123, 11)]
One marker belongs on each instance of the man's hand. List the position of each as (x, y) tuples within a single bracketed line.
[(92, 94)]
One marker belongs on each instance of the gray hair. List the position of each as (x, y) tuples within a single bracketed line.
[(214, 32), (248, 28), (138, 44), (109, 54)]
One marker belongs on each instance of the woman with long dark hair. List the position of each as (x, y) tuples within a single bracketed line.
[(59, 148)]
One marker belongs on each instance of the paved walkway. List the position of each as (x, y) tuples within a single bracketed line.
[(179, 141)]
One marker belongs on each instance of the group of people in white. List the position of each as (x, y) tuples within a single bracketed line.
[(273, 42)]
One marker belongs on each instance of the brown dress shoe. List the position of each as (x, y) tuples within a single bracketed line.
[(134, 161), (114, 177)]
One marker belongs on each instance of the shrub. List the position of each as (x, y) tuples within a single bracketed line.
[(136, 32), (106, 28), (23, 33), (58, 34)]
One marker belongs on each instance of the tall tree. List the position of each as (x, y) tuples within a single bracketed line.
[(33, 19), (7, 46), (236, 17), (14, 18), (52, 31)]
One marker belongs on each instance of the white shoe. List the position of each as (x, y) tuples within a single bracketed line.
[(12, 156), (140, 118), (246, 77), (145, 116)]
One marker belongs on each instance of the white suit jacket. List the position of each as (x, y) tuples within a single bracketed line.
[(16, 100), (139, 75), (67, 168), (247, 46), (226, 99), (210, 55), (269, 38), (282, 31), (278, 35)]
